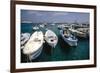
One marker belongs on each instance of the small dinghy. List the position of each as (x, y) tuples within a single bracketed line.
[(51, 38), (34, 45)]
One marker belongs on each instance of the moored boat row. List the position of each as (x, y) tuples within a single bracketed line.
[(34, 45), (81, 30)]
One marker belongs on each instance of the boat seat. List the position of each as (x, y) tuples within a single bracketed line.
[(37, 40), (65, 36)]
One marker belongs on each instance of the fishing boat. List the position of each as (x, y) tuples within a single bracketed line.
[(33, 47), (24, 38), (69, 38), (80, 32), (51, 38)]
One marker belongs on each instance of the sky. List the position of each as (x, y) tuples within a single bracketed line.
[(54, 16)]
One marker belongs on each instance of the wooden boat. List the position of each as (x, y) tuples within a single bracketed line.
[(85, 31), (69, 38), (34, 45), (80, 32), (51, 38)]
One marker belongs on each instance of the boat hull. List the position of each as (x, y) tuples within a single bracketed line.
[(34, 55), (82, 35)]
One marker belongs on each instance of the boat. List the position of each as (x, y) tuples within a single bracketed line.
[(62, 26), (42, 25), (35, 28), (85, 31), (33, 47), (69, 38), (79, 32), (52, 24), (24, 38), (51, 38), (59, 27)]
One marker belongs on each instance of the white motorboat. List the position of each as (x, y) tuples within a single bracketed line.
[(53, 24), (24, 38), (69, 38), (51, 38), (35, 28), (42, 25), (34, 46)]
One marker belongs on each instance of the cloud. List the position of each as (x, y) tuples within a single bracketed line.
[(43, 13), (31, 12), (60, 13), (53, 16)]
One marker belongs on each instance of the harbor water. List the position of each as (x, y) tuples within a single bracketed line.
[(62, 51)]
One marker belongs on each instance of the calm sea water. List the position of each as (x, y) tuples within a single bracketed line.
[(62, 51)]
